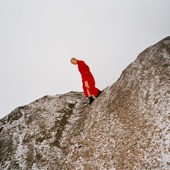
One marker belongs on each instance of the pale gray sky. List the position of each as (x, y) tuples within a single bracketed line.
[(38, 38)]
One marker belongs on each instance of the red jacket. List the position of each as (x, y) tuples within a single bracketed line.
[(84, 70)]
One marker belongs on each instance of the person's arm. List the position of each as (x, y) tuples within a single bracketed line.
[(85, 71)]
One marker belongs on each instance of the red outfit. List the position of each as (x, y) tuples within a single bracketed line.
[(87, 76)]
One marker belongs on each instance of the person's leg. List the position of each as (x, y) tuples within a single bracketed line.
[(93, 90), (87, 88), (87, 91)]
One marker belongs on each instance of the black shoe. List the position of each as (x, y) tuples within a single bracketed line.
[(91, 99), (99, 93)]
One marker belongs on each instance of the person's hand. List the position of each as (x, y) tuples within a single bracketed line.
[(86, 84)]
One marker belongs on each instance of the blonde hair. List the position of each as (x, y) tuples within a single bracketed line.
[(73, 59)]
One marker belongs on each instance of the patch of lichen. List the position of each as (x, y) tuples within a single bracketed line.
[(60, 126)]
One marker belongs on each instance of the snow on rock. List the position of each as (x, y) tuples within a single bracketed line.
[(127, 127)]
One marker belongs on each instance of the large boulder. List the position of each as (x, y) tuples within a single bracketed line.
[(127, 127)]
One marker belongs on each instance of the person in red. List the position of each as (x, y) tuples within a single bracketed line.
[(88, 81)]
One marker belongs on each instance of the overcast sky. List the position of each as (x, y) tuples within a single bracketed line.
[(38, 38)]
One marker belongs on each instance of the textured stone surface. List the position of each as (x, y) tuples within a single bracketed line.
[(127, 127)]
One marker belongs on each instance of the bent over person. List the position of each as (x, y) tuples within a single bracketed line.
[(88, 81)]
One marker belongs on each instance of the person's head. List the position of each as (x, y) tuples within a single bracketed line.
[(73, 61)]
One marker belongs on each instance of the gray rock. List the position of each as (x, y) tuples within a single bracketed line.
[(127, 127)]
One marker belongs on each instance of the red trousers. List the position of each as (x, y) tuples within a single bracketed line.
[(92, 89)]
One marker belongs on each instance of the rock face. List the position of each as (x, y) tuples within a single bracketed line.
[(126, 128)]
